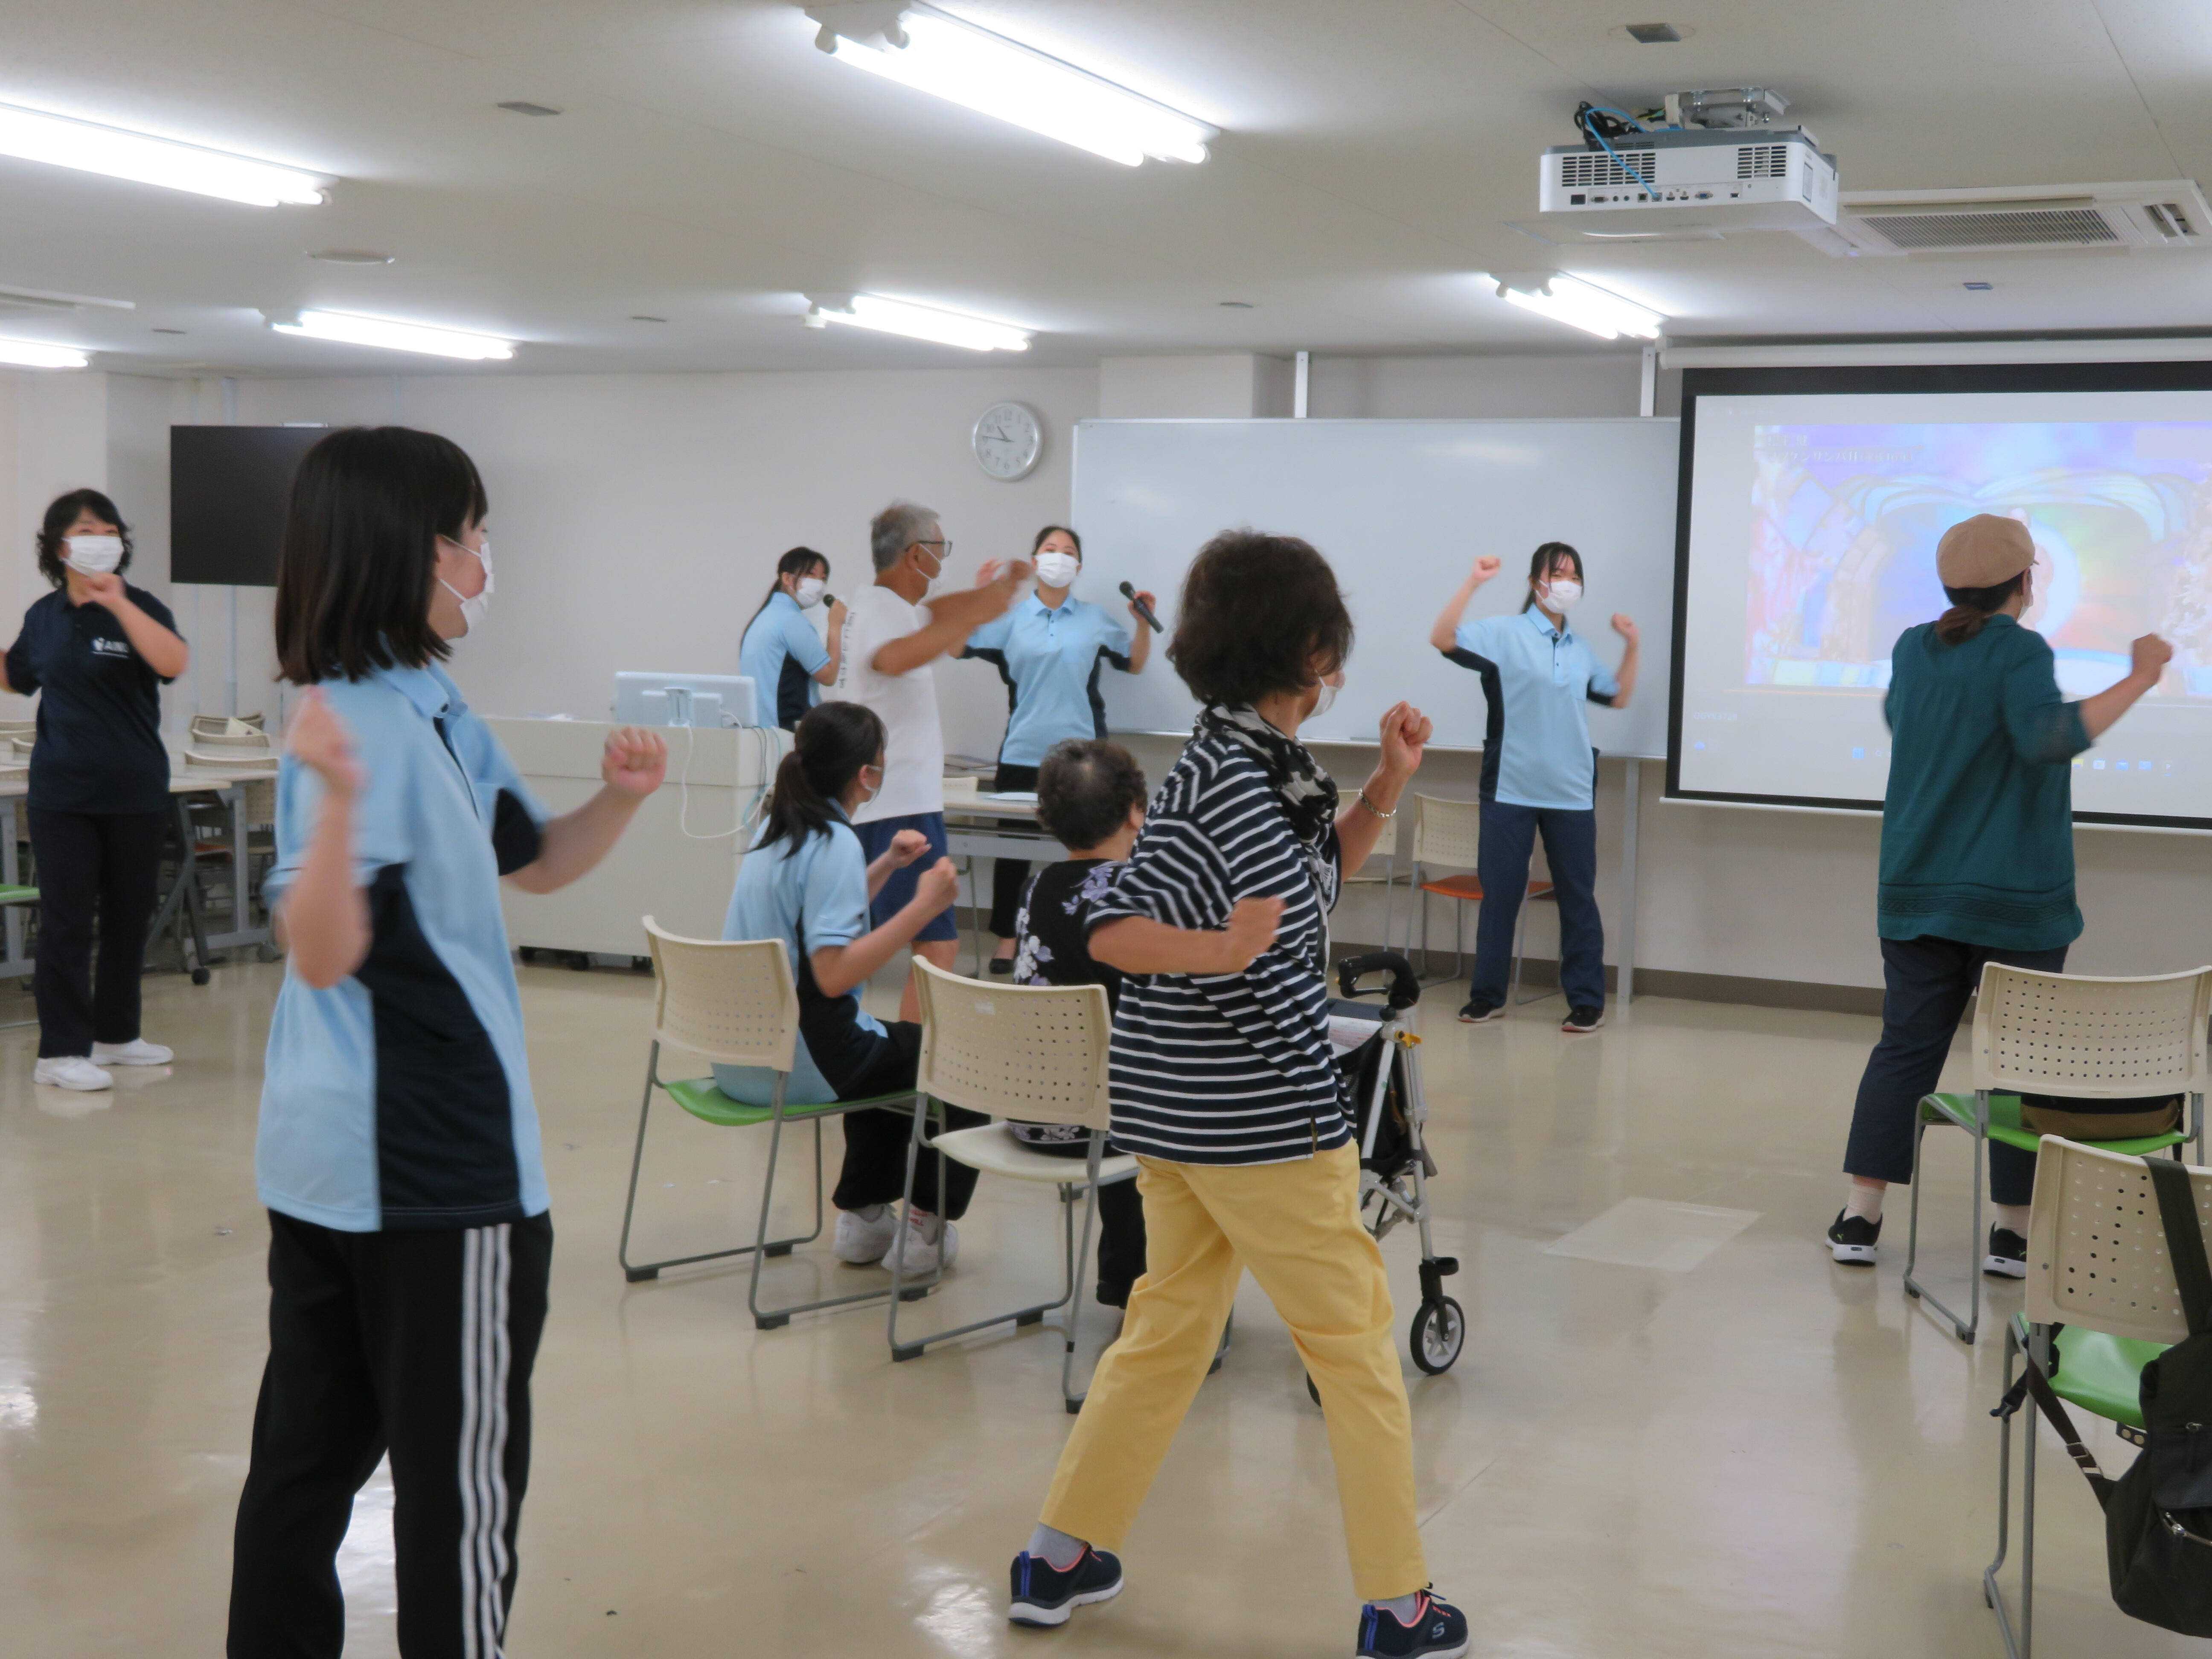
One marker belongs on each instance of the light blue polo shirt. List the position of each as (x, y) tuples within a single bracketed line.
[(399, 1098), (1536, 749), (1049, 657), (780, 654), (810, 896)]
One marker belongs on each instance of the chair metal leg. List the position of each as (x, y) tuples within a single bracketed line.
[(1079, 1256), (901, 1292), (2023, 1642), (634, 1272), (774, 1318), (1978, 1131)]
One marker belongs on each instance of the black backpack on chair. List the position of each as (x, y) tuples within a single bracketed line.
[(2157, 1515)]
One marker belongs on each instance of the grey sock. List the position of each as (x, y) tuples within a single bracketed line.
[(1400, 1608), (1056, 1549)]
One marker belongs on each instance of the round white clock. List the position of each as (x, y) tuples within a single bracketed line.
[(1008, 438)]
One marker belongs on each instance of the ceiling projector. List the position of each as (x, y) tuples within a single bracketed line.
[(1697, 163)]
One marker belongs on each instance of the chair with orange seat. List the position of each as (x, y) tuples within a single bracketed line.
[(1448, 835)]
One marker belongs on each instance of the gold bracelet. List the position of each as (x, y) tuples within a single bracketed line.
[(1376, 811)]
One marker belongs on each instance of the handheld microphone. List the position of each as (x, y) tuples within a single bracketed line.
[(1143, 609)]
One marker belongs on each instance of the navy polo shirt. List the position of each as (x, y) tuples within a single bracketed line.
[(1049, 657), (1537, 680), (100, 744), (399, 1098)]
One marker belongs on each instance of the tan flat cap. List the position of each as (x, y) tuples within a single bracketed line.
[(1983, 551)]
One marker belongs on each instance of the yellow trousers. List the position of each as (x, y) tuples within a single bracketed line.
[(1296, 1227)]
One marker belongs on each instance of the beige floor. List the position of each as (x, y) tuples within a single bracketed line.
[(1761, 1455)]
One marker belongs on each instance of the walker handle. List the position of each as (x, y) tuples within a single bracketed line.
[(1405, 990)]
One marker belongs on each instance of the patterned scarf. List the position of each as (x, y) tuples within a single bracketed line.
[(1307, 793)]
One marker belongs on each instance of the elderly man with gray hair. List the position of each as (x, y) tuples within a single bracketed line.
[(893, 631)]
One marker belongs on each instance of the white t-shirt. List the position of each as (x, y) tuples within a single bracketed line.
[(914, 742)]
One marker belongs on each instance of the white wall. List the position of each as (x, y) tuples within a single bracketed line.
[(637, 518)]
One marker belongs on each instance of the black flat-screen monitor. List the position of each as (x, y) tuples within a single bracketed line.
[(228, 489)]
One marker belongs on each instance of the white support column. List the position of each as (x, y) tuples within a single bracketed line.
[(1631, 802), (1300, 385)]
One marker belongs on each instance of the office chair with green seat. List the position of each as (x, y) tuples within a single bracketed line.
[(2102, 1300), (2074, 1035), (733, 1002), (17, 894)]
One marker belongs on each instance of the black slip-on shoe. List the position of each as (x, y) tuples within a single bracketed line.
[(1045, 1597), (1852, 1239), (1480, 1012), (1579, 1020), (2007, 1256)]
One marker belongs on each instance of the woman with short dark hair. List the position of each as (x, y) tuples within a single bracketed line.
[(1048, 648), (398, 1152), (779, 651), (97, 651), (1226, 1086)]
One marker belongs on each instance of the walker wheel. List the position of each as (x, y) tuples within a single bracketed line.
[(1439, 1332), (201, 975)]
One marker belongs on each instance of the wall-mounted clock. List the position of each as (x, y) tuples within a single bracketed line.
[(1008, 438)]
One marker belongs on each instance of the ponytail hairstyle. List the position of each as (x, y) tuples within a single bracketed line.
[(1970, 607), (1541, 564), (799, 562), (833, 742)]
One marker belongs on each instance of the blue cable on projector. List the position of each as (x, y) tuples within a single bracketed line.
[(1618, 160)]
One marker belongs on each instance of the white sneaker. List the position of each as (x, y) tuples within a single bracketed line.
[(864, 1237), (72, 1072), (931, 1244), (136, 1052)]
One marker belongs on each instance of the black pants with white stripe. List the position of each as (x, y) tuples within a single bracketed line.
[(417, 1344)]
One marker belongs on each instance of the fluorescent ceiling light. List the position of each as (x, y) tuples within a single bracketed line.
[(918, 322), (921, 47), (1570, 299), (34, 136), (392, 337), (36, 354)]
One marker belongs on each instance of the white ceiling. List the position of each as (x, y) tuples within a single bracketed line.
[(711, 166)]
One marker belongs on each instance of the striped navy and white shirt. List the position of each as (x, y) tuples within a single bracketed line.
[(1230, 1068)]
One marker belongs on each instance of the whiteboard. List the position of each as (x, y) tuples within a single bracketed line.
[(1401, 509)]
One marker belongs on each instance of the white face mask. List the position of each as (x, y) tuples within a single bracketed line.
[(1326, 701), (1057, 569), (473, 609), (93, 556), (1563, 595), (810, 591)]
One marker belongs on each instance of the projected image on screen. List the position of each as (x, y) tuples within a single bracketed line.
[(1847, 519), (1810, 548)]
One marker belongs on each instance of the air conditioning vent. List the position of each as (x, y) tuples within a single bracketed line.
[(2168, 214), (1935, 232), (1762, 161)]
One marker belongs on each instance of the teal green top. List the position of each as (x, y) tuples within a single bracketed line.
[(1977, 830)]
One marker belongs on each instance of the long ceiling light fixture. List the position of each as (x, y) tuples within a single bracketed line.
[(32, 135), (350, 330), (924, 48), (916, 322), (36, 353), (1582, 305)]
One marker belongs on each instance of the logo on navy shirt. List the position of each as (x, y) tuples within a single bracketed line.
[(106, 648)]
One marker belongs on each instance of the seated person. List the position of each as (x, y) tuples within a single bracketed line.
[(1091, 797), (806, 882)]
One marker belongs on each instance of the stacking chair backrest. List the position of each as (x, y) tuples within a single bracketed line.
[(1035, 1052), (731, 1001), (1447, 833), (2097, 1039), (2096, 1248)]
